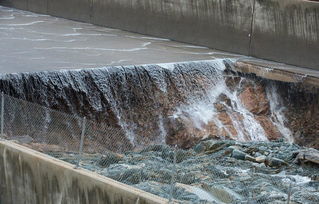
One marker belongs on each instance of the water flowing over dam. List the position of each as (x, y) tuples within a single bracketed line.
[(177, 103), (159, 101)]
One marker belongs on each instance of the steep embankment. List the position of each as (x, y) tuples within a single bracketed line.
[(175, 103)]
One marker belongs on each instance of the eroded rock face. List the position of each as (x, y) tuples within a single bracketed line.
[(302, 112), (254, 98), (179, 104)]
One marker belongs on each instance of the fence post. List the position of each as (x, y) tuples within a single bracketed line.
[(173, 177), (289, 194), (2, 115), (81, 142)]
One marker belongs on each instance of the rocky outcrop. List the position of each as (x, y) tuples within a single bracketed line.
[(254, 98), (302, 113)]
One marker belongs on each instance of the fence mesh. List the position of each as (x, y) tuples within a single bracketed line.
[(182, 176)]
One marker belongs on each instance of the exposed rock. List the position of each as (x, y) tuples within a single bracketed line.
[(109, 158), (255, 99), (216, 177), (211, 146), (141, 105), (302, 112), (260, 159), (271, 130), (308, 155), (23, 139), (274, 162), (241, 155)]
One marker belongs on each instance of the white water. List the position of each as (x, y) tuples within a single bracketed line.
[(277, 112), (199, 111), (203, 112)]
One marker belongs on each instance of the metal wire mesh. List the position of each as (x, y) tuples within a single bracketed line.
[(182, 176)]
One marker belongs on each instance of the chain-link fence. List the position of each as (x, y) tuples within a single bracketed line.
[(211, 172)]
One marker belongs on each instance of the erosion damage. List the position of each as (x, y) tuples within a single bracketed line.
[(179, 103)]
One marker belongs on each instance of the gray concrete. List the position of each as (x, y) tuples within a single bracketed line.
[(280, 30), (33, 42), (19, 4), (30, 177), (219, 24), (287, 31), (38, 6), (277, 71), (71, 9)]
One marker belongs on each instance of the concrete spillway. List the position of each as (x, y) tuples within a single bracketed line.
[(34, 42), (213, 103)]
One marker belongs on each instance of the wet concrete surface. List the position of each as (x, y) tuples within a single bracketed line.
[(31, 42), (280, 66), (34, 42)]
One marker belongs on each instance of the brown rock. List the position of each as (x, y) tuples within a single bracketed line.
[(254, 98), (228, 123), (270, 128)]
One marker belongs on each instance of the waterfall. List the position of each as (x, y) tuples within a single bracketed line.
[(203, 112), (277, 112), (176, 103)]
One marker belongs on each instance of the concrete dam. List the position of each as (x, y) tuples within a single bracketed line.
[(93, 114)]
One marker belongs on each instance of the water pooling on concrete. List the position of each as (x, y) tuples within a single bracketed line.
[(34, 42)]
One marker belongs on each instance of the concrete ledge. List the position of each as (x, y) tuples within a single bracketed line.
[(277, 74), (31, 177)]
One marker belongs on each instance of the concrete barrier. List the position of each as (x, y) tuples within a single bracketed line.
[(71, 9), (30, 177), (287, 31), (38, 6), (219, 24), (281, 30), (19, 4)]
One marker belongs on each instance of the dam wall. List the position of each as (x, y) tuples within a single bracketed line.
[(30, 177), (279, 30)]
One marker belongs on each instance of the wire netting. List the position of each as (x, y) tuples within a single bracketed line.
[(182, 176)]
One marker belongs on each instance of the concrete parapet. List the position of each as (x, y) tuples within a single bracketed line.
[(287, 31), (219, 24), (38, 6), (79, 10), (30, 177)]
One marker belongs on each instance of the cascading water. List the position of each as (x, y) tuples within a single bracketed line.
[(277, 112), (201, 113), (177, 103)]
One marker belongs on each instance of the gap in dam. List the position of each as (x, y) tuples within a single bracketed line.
[(178, 103), (235, 132)]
